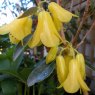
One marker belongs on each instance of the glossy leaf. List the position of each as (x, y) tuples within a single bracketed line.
[(29, 12), (25, 72), (19, 48), (41, 72), (15, 64)]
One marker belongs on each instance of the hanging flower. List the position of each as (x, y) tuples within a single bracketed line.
[(51, 54), (81, 64), (67, 59), (17, 29), (58, 24), (61, 69), (60, 13), (74, 80), (45, 32)]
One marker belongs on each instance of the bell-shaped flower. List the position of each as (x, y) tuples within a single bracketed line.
[(17, 29), (58, 24), (61, 69), (74, 80), (45, 32), (67, 59), (81, 63), (51, 54), (60, 13)]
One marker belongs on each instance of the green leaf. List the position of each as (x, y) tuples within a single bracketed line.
[(29, 12), (14, 74), (8, 87), (19, 48), (25, 72), (2, 77), (15, 64), (4, 63), (9, 53), (41, 72), (3, 56)]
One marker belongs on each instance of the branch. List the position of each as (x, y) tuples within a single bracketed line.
[(93, 25), (85, 93), (71, 6), (82, 22)]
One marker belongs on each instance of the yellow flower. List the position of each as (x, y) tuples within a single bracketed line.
[(61, 69), (51, 55), (74, 80), (13, 39), (58, 24), (17, 29), (81, 63), (60, 13), (67, 59), (45, 32)]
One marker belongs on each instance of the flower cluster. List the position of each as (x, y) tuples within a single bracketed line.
[(69, 65), (46, 33), (17, 29), (70, 68)]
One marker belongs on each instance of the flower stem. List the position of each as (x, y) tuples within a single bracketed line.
[(33, 89), (25, 90)]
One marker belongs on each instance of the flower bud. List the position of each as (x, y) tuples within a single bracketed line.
[(51, 55)]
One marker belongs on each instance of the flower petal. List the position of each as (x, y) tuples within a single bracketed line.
[(81, 81), (81, 64), (71, 84), (49, 39), (58, 24), (67, 59), (61, 69), (60, 13), (51, 55), (28, 26), (49, 35), (36, 36), (13, 39), (4, 29), (17, 28)]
